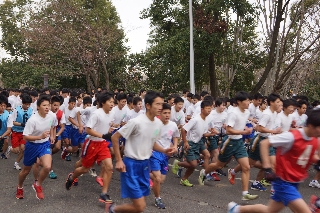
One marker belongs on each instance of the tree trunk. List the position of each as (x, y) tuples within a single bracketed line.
[(213, 77), (272, 52)]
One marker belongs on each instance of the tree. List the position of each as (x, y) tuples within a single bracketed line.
[(222, 45)]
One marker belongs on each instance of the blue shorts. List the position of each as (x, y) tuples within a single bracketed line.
[(249, 125), (285, 192), (76, 137), (135, 181), (159, 162), (66, 132), (59, 137), (35, 150), (122, 140)]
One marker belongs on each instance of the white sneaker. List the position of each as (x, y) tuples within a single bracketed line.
[(231, 207), (93, 172), (8, 151), (16, 166), (314, 184)]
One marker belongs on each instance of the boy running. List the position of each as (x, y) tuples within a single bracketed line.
[(296, 150)]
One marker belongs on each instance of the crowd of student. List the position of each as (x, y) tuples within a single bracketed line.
[(140, 133)]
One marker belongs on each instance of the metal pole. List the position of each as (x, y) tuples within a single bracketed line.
[(192, 85)]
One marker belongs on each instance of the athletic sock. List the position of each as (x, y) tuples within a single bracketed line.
[(232, 172), (244, 193)]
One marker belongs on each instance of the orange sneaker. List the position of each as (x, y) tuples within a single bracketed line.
[(231, 177)]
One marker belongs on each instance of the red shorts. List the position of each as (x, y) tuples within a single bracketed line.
[(17, 139), (94, 151)]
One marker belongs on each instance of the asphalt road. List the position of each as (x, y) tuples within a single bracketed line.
[(213, 197)]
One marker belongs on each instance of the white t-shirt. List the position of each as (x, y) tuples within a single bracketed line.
[(300, 120), (258, 114), (67, 113), (119, 115), (84, 116), (100, 122), (10, 121), (34, 106), (285, 140), (285, 121), (168, 131), (217, 120), (141, 133), (66, 102), (252, 109), (132, 114), (12, 101), (186, 104), (177, 117), (190, 110), (197, 109), (237, 120), (195, 128), (268, 120), (36, 125), (230, 108)]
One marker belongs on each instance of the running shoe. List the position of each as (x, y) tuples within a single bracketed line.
[(52, 175), (209, 178), (64, 153), (175, 167), (68, 157), (158, 203), (105, 198), (202, 177), (264, 182), (258, 187), (314, 184), (69, 182), (3, 156), (93, 172), (38, 190), (99, 180), (314, 204), (186, 183), (19, 194), (220, 172), (249, 197), (75, 182), (215, 177), (231, 207), (231, 177), (110, 207), (16, 166)]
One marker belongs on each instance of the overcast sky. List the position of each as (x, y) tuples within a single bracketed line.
[(136, 29)]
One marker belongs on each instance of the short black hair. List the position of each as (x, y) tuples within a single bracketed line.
[(220, 101), (73, 94), (206, 104), (72, 99), (196, 96), (9, 105), (142, 91), (121, 96), (55, 99), (209, 98), (288, 102), (61, 99), (257, 96), (185, 91), (301, 102), (5, 93), (315, 103), (241, 96), (151, 96), (104, 97), (42, 99), (136, 100), (166, 106), (170, 97), (178, 100), (33, 93), (26, 99), (129, 99), (54, 93), (87, 100), (272, 98), (314, 118), (3, 100), (203, 93), (189, 95), (65, 90)]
